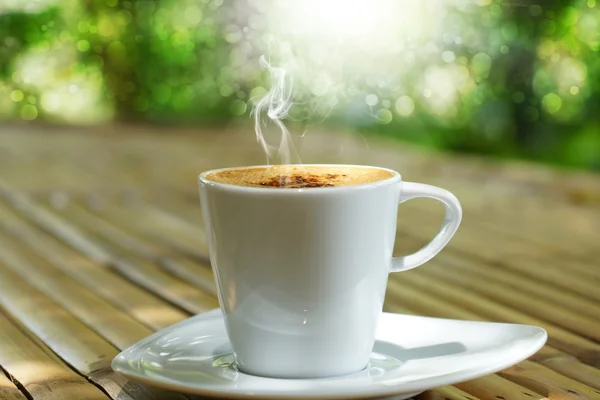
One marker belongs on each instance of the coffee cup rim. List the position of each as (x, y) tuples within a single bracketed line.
[(395, 177)]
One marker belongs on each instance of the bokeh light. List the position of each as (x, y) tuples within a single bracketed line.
[(483, 75)]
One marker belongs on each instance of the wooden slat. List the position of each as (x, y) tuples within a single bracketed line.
[(446, 393), (564, 278), (413, 298), (589, 268), (113, 324), (148, 274), (533, 285), (170, 288), (137, 302), (549, 293), (508, 261), (100, 226), (159, 225), (500, 240), (137, 270), (548, 382), (191, 271), (53, 324), (584, 349), (127, 240), (440, 307), (43, 376), (510, 222), (488, 387), (69, 338), (509, 257), (530, 215), (8, 390), (55, 225), (568, 365), (494, 387), (557, 314)]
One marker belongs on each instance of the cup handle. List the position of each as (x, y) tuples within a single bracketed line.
[(411, 190)]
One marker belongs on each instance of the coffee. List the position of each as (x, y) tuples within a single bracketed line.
[(300, 176)]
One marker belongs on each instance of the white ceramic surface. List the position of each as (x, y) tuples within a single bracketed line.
[(411, 354), (301, 273)]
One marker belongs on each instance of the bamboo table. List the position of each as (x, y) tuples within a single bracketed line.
[(101, 244)]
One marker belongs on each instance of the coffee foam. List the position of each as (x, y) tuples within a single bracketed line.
[(299, 176)]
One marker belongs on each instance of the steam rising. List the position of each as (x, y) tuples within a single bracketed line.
[(276, 105), (357, 56)]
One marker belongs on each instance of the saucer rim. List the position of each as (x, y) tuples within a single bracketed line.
[(352, 393)]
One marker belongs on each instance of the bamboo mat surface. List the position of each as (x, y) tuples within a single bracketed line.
[(102, 244)]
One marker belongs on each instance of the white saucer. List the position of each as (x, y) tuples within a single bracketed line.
[(412, 354)]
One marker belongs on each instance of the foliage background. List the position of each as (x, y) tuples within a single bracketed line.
[(523, 82)]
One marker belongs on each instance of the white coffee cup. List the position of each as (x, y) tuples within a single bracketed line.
[(302, 273)]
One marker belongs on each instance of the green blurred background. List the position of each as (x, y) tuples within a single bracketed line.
[(523, 82)]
